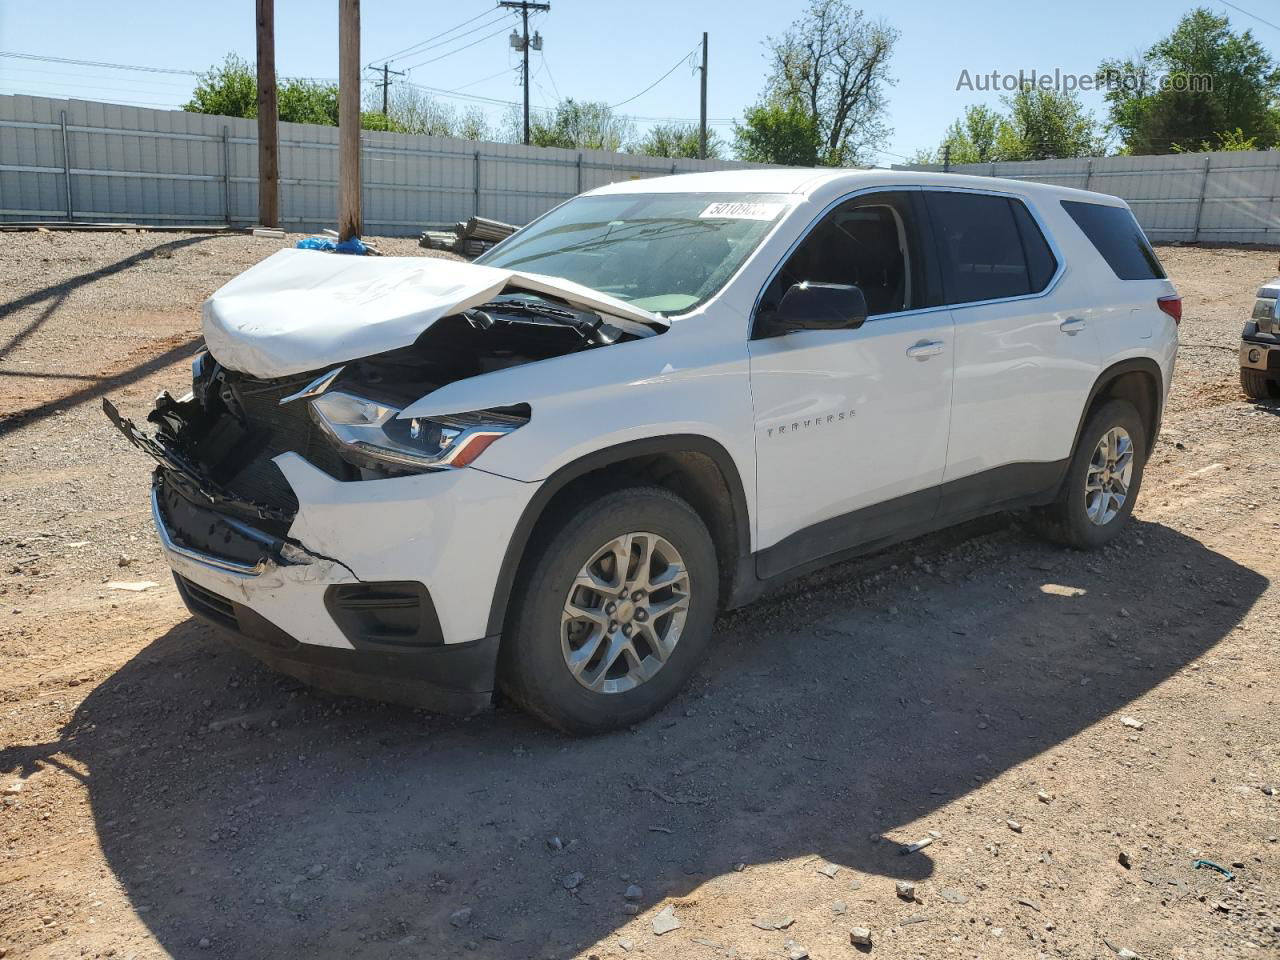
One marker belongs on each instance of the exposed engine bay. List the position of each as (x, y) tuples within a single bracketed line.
[(215, 446)]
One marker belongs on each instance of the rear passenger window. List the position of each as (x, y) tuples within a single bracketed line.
[(1117, 236), (1041, 263), (990, 247)]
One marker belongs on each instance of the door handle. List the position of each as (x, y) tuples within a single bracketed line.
[(1071, 325), (925, 349)]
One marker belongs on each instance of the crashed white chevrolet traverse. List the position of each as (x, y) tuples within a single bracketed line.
[(544, 472)]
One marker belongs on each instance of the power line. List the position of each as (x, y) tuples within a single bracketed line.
[(96, 63), (420, 48), (493, 76), (435, 36), (495, 101), (684, 59), (137, 67), (453, 93), (157, 84), (487, 36), (554, 86), (1248, 14), (62, 85)]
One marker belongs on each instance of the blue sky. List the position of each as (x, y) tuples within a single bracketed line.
[(594, 49)]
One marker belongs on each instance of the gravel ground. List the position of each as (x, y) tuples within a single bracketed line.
[(163, 795)]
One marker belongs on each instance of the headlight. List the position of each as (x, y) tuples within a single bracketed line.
[(369, 433), (1264, 311)]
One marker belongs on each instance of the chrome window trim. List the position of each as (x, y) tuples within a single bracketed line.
[(893, 188)]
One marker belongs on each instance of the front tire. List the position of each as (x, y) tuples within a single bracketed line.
[(613, 613), (1258, 386), (1102, 481)]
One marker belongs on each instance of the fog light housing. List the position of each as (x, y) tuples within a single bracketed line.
[(1255, 356)]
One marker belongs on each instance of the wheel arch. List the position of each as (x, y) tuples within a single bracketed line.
[(1138, 380), (693, 466)]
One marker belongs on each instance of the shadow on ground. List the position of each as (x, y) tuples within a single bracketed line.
[(48, 300), (235, 806)]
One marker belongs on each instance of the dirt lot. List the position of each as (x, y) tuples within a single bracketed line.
[(164, 795)]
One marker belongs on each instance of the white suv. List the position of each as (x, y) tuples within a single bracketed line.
[(544, 472)]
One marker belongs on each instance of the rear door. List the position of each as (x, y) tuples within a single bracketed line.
[(1025, 361), (851, 425)]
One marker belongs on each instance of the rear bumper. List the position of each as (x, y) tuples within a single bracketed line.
[(454, 678)]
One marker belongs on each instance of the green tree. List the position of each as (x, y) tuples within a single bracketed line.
[(1037, 124), (1228, 141), (374, 120), (972, 138), (1193, 88), (677, 140), (305, 101), (778, 132), (228, 90), (574, 124), (1044, 124), (833, 64), (412, 110)]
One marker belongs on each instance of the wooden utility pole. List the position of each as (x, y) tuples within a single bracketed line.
[(702, 123), (524, 6), (349, 219), (385, 82), (268, 118)]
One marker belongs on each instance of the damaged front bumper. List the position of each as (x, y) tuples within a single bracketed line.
[(373, 588)]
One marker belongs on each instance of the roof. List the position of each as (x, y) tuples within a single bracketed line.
[(809, 180)]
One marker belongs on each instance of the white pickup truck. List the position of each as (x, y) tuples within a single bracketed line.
[(1260, 346)]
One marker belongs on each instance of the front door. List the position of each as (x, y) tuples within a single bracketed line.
[(851, 425)]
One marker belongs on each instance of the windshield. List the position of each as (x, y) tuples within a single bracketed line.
[(663, 252)]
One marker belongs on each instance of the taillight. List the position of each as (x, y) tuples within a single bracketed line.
[(1172, 305)]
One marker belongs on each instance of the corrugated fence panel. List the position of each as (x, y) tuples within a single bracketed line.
[(169, 166), (1230, 197)]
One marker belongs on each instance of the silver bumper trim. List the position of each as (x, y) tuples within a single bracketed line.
[(195, 556)]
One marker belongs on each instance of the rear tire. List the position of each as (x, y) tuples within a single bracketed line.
[(588, 660), (1102, 481), (1258, 386)]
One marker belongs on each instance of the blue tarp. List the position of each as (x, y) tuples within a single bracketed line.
[(354, 245)]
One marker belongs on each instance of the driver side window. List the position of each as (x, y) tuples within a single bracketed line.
[(869, 242)]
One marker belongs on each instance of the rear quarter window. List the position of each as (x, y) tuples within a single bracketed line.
[(1115, 234)]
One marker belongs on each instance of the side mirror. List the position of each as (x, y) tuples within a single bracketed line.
[(821, 306)]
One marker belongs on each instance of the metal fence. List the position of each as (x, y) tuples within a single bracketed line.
[(100, 162), (1230, 197)]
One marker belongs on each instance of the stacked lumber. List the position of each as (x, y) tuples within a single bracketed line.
[(469, 238)]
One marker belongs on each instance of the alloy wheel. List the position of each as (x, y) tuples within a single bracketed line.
[(1106, 484), (624, 613)]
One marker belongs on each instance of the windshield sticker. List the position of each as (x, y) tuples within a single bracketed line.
[(741, 210)]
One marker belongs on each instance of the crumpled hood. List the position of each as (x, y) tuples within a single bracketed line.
[(302, 310)]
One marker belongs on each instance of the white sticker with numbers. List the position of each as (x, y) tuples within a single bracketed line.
[(741, 210)]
